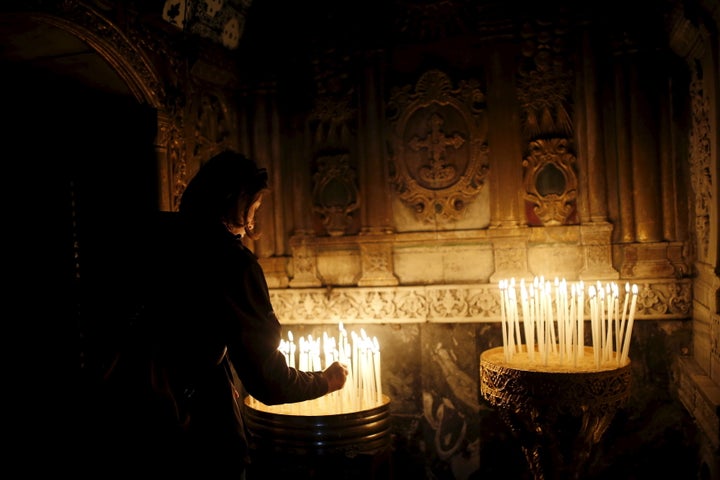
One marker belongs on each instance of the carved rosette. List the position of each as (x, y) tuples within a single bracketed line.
[(440, 154), (550, 183)]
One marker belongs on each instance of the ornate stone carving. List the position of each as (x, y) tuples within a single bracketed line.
[(335, 193), (423, 21), (304, 263), (545, 86), (650, 260), (545, 82), (671, 298), (377, 264), (439, 146), (659, 299), (557, 416), (550, 183), (595, 238), (700, 161)]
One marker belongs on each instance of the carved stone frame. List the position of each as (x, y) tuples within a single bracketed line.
[(550, 183), (439, 143)]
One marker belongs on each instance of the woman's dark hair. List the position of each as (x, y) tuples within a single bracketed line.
[(214, 190)]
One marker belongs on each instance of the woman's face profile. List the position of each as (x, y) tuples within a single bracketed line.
[(238, 222), (250, 222)]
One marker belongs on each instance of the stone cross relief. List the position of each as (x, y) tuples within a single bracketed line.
[(436, 144)]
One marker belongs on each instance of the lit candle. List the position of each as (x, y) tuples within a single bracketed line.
[(284, 348), (376, 358), (550, 324), (527, 321), (304, 364), (560, 319), (574, 347), (315, 358), (623, 320), (631, 318), (594, 323), (581, 319), (511, 318), (292, 349), (503, 317), (328, 347), (616, 302), (609, 329)]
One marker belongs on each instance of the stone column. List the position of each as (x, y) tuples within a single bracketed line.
[(625, 221), (642, 170), (376, 252), (643, 125), (302, 244), (165, 131), (504, 139), (592, 204), (265, 134), (595, 230), (374, 184), (262, 135)]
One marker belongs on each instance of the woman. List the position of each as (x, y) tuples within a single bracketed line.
[(213, 333)]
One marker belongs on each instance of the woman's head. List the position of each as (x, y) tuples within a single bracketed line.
[(228, 188)]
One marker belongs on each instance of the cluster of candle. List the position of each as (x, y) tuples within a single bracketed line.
[(361, 354), (553, 318)]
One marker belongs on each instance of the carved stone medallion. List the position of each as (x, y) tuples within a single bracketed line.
[(439, 143)]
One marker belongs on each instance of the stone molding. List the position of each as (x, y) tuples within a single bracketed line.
[(659, 299)]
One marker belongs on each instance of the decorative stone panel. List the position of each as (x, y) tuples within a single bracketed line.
[(439, 146), (658, 299)]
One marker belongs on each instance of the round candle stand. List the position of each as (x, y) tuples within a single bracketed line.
[(557, 412), (308, 446)]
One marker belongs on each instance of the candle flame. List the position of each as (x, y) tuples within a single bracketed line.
[(553, 319)]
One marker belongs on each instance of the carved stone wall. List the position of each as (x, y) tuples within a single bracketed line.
[(414, 169)]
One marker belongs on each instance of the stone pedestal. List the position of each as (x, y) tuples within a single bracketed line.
[(558, 412)]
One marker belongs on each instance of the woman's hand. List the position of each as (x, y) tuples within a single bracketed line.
[(336, 374)]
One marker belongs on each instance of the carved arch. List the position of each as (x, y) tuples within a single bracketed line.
[(130, 62), (127, 53)]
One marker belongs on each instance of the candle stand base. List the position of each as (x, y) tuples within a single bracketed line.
[(320, 446), (557, 413)]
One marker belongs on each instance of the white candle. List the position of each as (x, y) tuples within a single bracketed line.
[(356, 359), (574, 323), (292, 349), (512, 299), (581, 319), (616, 302), (503, 317), (376, 358), (600, 309), (284, 348), (631, 318), (527, 321), (623, 321), (304, 364), (560, 319), (609, 329), (594, 323)]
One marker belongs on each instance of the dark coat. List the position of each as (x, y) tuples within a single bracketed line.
[(211, 336)]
